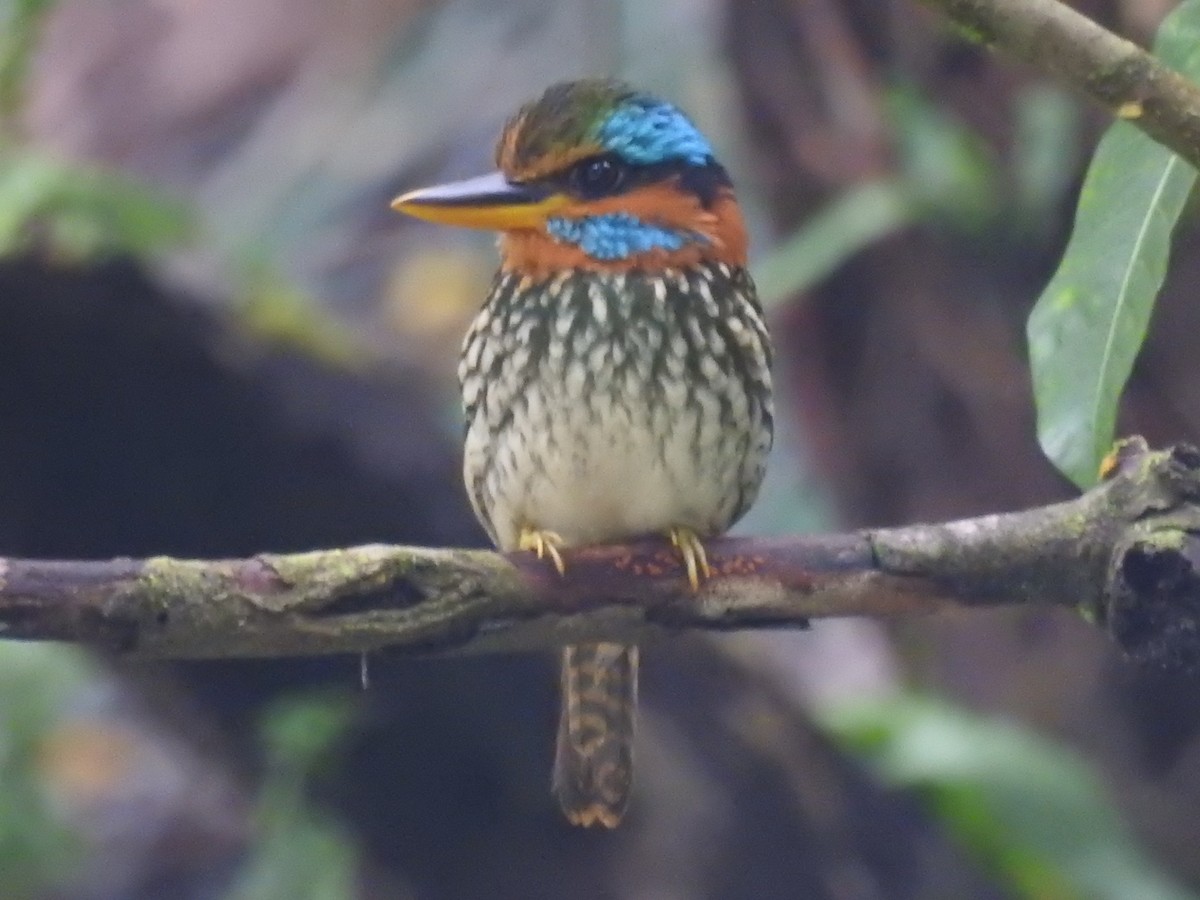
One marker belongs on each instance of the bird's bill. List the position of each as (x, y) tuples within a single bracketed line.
[(488, 201)]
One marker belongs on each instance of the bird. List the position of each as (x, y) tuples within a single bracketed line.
[(616, 382)]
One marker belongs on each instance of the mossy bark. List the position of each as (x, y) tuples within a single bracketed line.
[(1125, 553)]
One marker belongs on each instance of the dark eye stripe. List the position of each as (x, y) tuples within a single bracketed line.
[(608, 175)]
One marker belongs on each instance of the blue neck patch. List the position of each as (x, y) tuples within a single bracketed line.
[(645, 131), (616, 235)]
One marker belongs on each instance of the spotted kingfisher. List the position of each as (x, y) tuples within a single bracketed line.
[(617, 381)]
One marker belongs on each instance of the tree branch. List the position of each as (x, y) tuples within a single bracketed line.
[(1114, 72), (1126, 552)]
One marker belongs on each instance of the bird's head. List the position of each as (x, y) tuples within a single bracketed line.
[(594, 175)]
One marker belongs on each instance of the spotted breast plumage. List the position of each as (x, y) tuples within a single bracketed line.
[(617, 380)]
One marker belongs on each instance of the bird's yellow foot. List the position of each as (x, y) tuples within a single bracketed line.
[(695, 559), (543, 543)]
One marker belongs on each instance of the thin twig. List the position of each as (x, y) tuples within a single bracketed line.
[(1057, 40)]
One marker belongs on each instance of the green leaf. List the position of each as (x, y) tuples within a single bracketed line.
[(948, 168), (300, 731), (20, 28), (1045, 155), (854, 220), (1088, 325), (40, 685), (275, 311), (946, 174), (301, 851), (1030, 810), (81, 212)]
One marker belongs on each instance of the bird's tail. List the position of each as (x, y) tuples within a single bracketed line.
[(593, 761)]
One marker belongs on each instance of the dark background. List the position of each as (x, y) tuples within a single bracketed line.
[(282, 380)]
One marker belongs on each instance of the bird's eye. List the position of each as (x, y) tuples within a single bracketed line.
[(598, 176)]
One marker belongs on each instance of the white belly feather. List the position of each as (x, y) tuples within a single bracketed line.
[(597, 446)]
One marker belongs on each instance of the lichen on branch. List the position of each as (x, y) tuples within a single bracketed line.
[(1126, 552), (1114, 72)]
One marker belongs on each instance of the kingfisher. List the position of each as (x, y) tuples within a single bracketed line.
[(617, 380)]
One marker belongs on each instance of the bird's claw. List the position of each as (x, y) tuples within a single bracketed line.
[(543, 544), (695, 558)]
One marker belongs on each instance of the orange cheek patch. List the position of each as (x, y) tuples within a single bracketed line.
[(729, 233), (536, 254)]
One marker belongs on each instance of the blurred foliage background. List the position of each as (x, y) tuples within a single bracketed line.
[(215, 338)]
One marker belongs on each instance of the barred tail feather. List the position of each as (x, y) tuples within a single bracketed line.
[(593, 761)]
